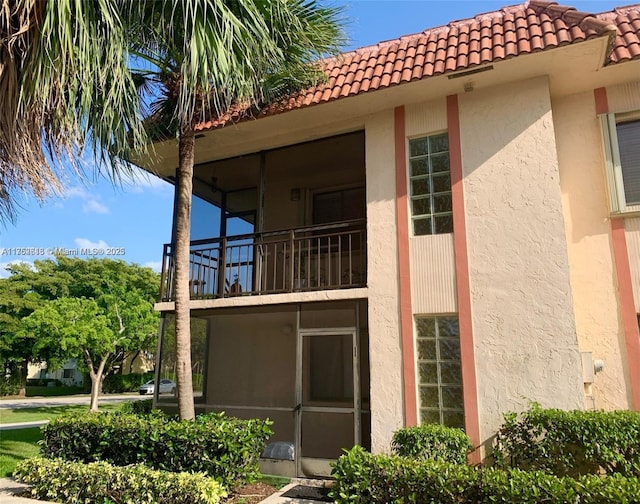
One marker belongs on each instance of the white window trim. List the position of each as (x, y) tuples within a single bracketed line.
[(613, 166)]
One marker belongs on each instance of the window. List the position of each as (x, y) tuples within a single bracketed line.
[(338, 206), (67, 373), (430, 185), (622, 152), (439, 371)]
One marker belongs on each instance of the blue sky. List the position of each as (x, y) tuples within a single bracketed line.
[(133, 219)]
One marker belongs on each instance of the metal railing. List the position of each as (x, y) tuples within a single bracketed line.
[(312, 258)]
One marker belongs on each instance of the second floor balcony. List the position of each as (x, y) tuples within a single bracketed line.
[(311, 258)]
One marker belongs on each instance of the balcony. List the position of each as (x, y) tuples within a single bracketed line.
[(311, 258)]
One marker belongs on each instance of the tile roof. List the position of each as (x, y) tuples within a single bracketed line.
[(486, 38)]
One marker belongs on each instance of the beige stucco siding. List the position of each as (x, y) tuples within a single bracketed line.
[(433, 280), (588, 230), (623, 98), (382, 270), (433, 274), (521, 301), (632, 233)]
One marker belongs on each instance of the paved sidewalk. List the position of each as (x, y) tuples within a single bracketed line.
[(48, 402), (8, 487), (22, 425)]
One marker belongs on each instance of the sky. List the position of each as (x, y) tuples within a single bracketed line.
[(132, 220)]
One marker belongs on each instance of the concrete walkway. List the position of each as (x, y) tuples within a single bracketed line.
[(50, 402), (22, 425), (277, 497), (9, 487)]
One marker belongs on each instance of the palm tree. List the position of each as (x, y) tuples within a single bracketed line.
[(66, 92), (206, 56), (67, 87)]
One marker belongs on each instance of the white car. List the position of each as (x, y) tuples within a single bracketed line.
[(166, 387)]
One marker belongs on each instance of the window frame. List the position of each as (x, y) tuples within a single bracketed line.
[(613, 165), (428, 176)]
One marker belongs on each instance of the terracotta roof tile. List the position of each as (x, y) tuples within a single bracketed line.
[(537, 25)]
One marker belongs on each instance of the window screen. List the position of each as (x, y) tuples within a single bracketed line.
[(629, 146), (337, 206)]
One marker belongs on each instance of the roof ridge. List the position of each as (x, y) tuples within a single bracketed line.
[(570, 15), (525, 28), (428, 31)]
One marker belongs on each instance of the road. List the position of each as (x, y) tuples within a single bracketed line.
[(47, 402)]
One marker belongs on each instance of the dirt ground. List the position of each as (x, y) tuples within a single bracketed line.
[(250, 494)]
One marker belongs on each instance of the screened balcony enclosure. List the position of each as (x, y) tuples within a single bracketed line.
[(304, 366), (291, 219)]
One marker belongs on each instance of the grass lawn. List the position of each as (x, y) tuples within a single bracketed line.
[(46, 413), (17, 445)]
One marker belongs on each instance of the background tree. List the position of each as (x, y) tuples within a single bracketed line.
[(124, 294), (78, 329), (16, 302)]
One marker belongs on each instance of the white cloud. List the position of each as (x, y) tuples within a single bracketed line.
[(91, 202), (93, 205), (154, 265), (140, 180), (85, 243), (77, 192)]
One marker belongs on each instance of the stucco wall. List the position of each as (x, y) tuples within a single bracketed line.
[(523, 321), (382, 257), (626, 98), (632, 232), (588, 230)]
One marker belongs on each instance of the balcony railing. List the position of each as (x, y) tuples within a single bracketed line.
[(305, 259)]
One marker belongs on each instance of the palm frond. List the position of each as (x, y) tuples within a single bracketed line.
[(65, 89), (212, 54)]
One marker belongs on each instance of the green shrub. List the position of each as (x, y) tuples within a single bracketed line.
[(432, 441), (72, 482), (225, 448), (570, 443), (10, 385), (362, 478), (119, 383), (143, 407), (39, 382)]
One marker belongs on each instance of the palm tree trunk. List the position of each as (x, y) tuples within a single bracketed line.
[(181, 260)]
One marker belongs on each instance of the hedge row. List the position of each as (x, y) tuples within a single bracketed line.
[(432, 441), (70, 482), (225, 448), (141, 407), (119, 383), (570, 443), (362, 478)]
